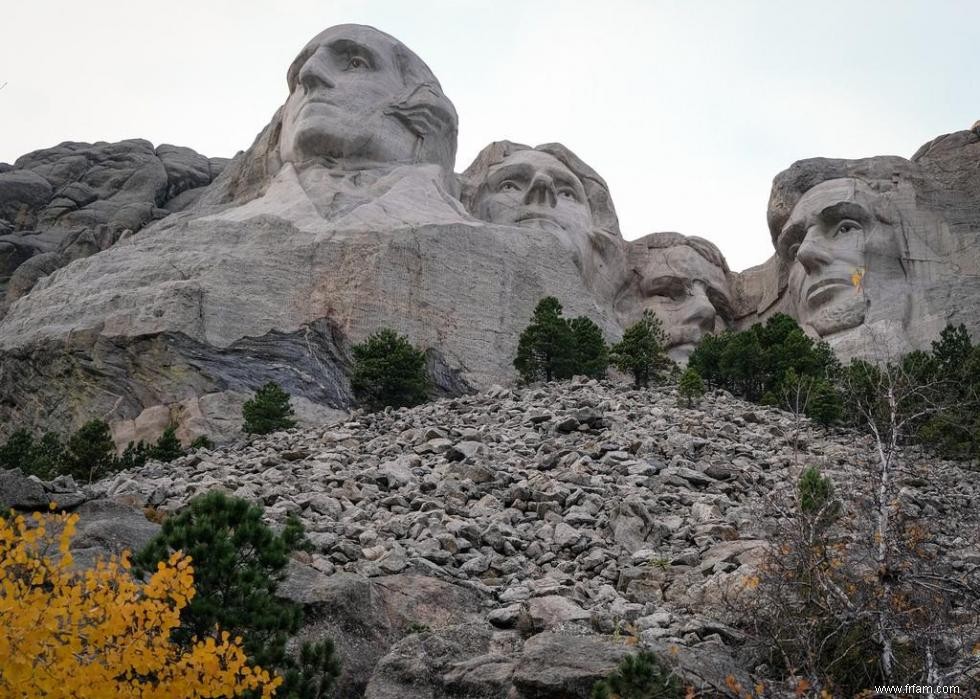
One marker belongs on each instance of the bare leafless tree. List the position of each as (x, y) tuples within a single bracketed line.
[(854, 590)]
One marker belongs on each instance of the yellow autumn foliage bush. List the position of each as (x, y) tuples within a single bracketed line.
[(101, 633)]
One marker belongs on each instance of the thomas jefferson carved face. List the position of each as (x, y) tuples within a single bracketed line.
[(534, 189), (687, 292), (358, 94), (841, 243)]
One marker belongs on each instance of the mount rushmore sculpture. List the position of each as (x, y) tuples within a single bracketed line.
[(345, 215)]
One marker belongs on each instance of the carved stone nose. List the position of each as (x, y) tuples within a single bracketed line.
[(702, 311), (541, 191), (811, 254), (315, 73)]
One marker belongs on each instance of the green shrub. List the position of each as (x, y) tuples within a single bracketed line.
[(43, 458), (690, 388), (643, 350), (753, 363), (134, 455), (168, 446), (388, 370), (202, 442), (268, 411), (238, 564), (639, 676), (817, 494), (826, 405)]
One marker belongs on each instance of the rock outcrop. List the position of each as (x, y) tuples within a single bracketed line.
[(519, 543), (68, 202)]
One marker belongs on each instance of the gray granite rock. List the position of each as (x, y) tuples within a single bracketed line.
[(77, 199), (20, 492)]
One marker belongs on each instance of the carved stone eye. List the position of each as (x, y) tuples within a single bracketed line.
[(356, 63), (508, 186), (845, 227), (567, 193)]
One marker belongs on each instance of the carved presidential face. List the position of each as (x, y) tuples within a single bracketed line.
[(533, 189), (341, 85), (687, 292), (843, 245)]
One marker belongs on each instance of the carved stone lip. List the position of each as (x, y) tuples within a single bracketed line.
[(821, 291), (536, 216), (316, 100)]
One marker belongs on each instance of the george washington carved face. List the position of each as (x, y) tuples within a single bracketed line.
[(357, 94)]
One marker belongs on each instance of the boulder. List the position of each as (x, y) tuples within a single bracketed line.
[(565, 666)]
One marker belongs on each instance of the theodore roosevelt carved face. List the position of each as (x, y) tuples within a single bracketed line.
[(683, 280)]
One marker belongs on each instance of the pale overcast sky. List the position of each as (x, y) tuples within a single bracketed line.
[(687, 109)]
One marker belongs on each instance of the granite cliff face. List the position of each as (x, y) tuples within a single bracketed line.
[(345, 215)]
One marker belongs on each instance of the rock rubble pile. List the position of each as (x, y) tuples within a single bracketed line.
[(525, 540)]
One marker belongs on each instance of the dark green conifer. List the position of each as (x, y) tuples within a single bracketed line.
[(269, 411), (388, 370), (643, 350)]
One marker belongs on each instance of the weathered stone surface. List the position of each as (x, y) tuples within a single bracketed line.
[(426, 664), (20, 492), (199, 386), (107, 528), (77, 199), (365, 617), (565, 666)]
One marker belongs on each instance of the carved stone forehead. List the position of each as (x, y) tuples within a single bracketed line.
[(844, 197), (386, 48), (824, 195), (535, 161), (681, 261)]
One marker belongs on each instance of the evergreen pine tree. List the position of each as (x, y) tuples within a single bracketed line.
[(639, 676), (546, 348), (18, 451), (238, 564), (826, 405), (591, 353), (91, 453), (690, 388), (642, 351), (168, 446), (269, 411), (388, 370)]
